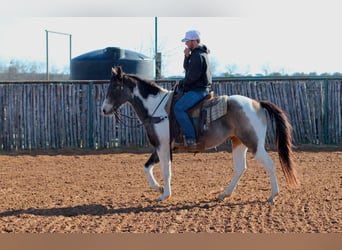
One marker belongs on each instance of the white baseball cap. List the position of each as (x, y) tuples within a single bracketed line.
[(191, 35)]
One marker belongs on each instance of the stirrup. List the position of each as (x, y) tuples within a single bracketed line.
[(190, 143)]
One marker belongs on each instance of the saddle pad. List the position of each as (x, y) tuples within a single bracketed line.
[(216, 109)]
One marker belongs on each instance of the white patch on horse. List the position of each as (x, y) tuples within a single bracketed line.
[(150, 177)]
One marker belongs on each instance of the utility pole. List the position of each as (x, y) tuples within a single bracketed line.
[(157, 55)]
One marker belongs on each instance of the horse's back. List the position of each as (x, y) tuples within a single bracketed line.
[(248, 105), (241, 99)]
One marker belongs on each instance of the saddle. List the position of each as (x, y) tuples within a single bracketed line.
[(201, 114)]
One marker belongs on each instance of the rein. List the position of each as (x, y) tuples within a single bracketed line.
[(118, 118), (159, 105)]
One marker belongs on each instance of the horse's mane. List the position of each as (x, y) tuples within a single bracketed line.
[(143, 81), (145, 86)]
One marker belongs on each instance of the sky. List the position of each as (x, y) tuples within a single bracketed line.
[(276, 36)]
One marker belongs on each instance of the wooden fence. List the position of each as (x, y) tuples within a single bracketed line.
[(50, 115)]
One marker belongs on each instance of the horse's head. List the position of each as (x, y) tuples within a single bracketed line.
[(117, 94)]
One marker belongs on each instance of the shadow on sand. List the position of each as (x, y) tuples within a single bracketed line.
[(99, 210)]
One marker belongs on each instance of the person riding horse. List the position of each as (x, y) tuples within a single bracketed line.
[(244, 123), (196, 84)]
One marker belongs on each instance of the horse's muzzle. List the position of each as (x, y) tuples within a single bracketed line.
[(107, 109)]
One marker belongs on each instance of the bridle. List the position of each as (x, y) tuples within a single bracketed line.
[(147, 121)]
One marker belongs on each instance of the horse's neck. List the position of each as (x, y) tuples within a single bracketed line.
[(152, 105)]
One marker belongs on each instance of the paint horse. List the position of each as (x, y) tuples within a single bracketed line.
[(244, 124)]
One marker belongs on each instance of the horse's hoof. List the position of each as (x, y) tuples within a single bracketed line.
[(162, 198), (271, 200), (159, 189), (221, 197)]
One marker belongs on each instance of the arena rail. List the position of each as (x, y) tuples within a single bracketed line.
[(66, 114)]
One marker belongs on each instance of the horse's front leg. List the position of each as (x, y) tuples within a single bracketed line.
[(164, 154), (148, 168)]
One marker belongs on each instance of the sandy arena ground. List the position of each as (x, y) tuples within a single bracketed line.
[(78, 191)]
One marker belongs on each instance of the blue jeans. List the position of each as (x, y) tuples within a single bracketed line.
[(188, 100)]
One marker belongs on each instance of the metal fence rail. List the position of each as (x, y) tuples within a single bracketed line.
[(49, 115)]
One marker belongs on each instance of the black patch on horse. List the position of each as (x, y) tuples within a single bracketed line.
[(154, 159)]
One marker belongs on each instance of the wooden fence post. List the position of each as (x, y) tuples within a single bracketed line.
[(90, 115)]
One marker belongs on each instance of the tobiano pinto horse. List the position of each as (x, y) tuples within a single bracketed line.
[(244, 124)]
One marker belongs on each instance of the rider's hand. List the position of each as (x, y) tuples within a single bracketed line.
[(187, 52)]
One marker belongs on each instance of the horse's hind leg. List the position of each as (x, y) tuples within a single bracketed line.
[(266, 160), (148, 168), (239, 158)]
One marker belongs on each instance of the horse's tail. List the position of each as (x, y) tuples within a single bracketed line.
[(283, 141)]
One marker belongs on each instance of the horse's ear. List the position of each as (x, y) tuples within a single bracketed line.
[(117, 71)]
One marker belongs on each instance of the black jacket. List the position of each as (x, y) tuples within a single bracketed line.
[(197, 70)]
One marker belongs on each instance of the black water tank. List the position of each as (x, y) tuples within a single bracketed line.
[(96, 65)]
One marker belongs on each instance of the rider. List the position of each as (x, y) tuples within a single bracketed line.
[(196, 83)]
